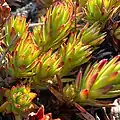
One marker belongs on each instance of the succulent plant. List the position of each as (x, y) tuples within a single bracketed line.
[(23, 58), (102, 80), (19, 99), (101, 10), (74, 53), (91, 35), (51, 50), (15, 26), (48, 66), (56, 26)]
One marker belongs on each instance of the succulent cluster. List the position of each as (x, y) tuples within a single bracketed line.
[(56, 26), (93, 33), (99, 81), (19, 99), (48, 52), (74, 53), (21, 63), (43, 53), (101, 10), (15, 26)]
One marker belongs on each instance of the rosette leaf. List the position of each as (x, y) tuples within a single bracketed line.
[(91, 35), (101, 80), (48, 66), (101, 10), (56, 26), (20, 99), (74, 53), (15, 26), (23, 58)]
